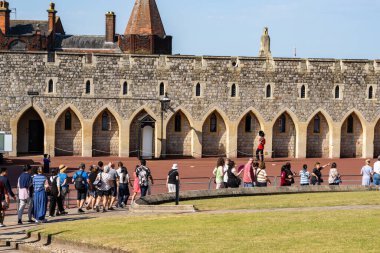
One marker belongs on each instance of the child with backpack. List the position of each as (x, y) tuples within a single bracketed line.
[(55, 195)]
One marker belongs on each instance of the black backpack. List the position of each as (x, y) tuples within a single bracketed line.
[(233, 180), (54, 187), (79, 182), (124, 173)]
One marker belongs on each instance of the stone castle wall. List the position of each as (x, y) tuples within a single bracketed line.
[(22, 72)]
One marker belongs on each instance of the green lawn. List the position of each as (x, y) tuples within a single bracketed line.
[(327, 231), (288, 201)]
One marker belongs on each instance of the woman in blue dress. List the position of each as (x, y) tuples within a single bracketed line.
[(40, 184)]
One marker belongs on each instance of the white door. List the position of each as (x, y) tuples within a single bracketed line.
[(147, 142)]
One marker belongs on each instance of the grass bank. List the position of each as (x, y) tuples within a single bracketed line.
[(288, 201), (327, 231)]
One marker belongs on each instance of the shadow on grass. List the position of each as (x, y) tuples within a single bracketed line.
[(50, 236)]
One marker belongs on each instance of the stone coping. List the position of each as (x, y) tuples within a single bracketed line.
[(210, 57), (256, 191)]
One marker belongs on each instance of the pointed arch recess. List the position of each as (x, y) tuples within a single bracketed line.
[(30, 130), (352, 143), (247, 141), (284, 143), (134, 130), (214, 143), (179, 143), (68, 142), (318, 142), (105, 142)]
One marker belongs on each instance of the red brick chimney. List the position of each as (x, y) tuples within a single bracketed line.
[(110, 26), (4, 16), (52, 17)]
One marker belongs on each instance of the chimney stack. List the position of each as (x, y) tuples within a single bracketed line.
[(52, 17), (110, 27), (4, 17)]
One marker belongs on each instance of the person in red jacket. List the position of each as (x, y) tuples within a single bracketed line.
[(3, 204), (260, 148)]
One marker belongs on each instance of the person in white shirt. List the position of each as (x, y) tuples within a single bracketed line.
[(376, 172), (123, 182)]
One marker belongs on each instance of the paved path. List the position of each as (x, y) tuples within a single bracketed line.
[(17, 233)]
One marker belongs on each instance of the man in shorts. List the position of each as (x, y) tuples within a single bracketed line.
[(63, 179), (80, 180), (113, 175), (92, 192), (103, 190)]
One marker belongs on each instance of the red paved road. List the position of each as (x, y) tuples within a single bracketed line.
[(189, 168)]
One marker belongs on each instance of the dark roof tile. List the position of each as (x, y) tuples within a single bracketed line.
[(28, 27), (83, 42)]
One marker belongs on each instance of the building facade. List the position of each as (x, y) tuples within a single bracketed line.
[(89, 96)]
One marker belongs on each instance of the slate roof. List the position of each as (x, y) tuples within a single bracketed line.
[(28, 27), (83, 42)]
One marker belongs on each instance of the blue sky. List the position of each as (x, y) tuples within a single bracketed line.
[(345, 29)]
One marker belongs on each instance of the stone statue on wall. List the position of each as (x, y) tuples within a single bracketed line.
[(265, 44)]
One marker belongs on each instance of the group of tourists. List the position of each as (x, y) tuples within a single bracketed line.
[(310, 178), (100, 188), (253, 174), (228, 176), (371, 175)]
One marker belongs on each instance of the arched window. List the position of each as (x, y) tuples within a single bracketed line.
[(198, 90), (233, 90), (88, 87), (317, 124), (268, 91), (213, 123), (162, 89), (68, 120), (350, 124), (125, 88), (105, 122), (248, 123), (303, 91), (282, 124), (337, 92), (177, 122), (370, 92), (50, 86)]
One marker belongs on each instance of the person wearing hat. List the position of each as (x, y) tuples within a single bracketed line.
[(55, 195), (80, 180), (63, 179), (172, 179)]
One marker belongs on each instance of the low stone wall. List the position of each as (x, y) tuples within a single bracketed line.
[(238, 192)]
